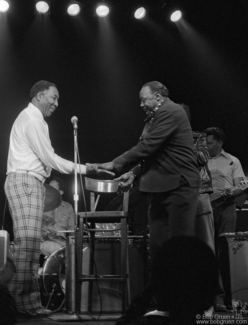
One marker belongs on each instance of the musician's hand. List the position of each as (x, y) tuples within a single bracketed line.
[(98, 169), (125, 182), (228, 194)]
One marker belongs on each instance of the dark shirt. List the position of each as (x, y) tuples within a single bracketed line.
[(165, 151)]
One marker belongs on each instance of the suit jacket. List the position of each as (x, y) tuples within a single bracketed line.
[(165, 151)]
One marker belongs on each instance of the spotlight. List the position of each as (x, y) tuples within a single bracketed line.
[(102, 10), (176, 15), (42, 7), (4, 6), (73, 9), (140, 13)]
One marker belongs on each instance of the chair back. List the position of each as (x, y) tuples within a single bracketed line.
[(96, 186), (100, 186)]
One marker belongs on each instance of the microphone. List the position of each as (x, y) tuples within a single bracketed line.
[(74, 121)]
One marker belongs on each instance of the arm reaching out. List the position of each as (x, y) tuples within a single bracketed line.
[(99, 169)]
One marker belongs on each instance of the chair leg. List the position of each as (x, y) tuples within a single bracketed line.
[(124, 265), (79, 263), (128, 280)]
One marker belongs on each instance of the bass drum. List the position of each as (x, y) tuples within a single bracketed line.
[(52, 280)]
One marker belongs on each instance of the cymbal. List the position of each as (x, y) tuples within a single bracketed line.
[(135, 197), (52, 198)]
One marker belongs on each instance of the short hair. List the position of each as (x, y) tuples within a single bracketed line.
[(40, 86), (217, 133), (187, 110), (62, 185), (157, 87)]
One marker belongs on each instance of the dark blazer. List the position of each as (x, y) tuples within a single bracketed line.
[(165, 152)]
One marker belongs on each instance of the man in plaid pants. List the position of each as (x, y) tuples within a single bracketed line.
[(31, 158)]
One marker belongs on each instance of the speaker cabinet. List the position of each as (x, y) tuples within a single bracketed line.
[(4, 247), (233, 257), (242, 220), (105, 296)]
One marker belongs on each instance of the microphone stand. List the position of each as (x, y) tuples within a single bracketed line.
[(78, 232), (75, 177)]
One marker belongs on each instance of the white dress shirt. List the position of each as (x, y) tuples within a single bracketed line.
[(224, 168), (30, 147)]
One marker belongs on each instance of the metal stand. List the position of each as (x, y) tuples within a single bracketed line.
[(75, 175), (78, 245)]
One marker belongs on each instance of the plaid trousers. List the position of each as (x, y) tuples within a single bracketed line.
[(26, 196)]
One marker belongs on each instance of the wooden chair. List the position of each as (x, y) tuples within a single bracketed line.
[(96, 187)]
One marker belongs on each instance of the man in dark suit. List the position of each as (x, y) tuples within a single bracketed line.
[(166, 166)]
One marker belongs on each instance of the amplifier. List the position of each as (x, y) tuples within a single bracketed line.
[(107, 297), (233, 257), (242, 220), (4, 247)]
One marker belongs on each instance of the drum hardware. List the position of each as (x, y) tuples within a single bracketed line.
[(50, 296), (51, 278)]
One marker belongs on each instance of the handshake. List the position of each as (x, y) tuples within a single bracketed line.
[(125, 180), (100, 169)]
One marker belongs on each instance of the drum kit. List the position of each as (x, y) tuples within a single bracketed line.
[(51, 279), (51, 276)]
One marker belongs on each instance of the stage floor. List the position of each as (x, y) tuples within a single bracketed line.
[(65, 319)]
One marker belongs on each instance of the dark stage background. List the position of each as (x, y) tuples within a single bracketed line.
[(99, 66)]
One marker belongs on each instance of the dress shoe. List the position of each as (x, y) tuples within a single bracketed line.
[(41, 311), (137, 309), (34, 313), (157, 313), (27, 314), (219, 307), (209, 313)]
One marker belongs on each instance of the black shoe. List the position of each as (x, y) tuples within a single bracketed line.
[(220, 308), (156, 317), (155, 320), (137, 309)]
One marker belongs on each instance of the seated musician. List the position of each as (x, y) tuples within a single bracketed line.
[(60, 219)]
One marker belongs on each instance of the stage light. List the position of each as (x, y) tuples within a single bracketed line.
[(42, 7), (73, 9), (140, 13), (102, 10), (4, 6), (175, 16)]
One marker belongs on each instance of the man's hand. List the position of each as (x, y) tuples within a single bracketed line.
[(125, 182), (229, 194), (107, 166), (99, 169)]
